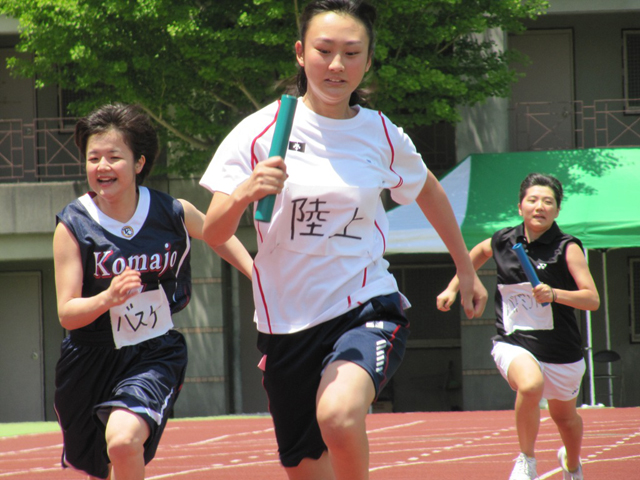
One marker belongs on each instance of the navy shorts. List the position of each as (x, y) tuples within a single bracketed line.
[(373, 335), (91, 380)]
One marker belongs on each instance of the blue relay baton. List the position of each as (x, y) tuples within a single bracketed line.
[(279, 145), (526, 266)]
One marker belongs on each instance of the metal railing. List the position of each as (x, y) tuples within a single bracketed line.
[(41, 150), (575, 125)]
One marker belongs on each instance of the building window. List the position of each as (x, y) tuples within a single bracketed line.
[(634, 265), (67, 118), (437, 145), (631, 60), (421, 283)]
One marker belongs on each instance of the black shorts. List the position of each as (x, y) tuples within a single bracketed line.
[(91, 380), (372, 335)]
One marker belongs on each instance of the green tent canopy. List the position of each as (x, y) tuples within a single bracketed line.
[(601, 204)]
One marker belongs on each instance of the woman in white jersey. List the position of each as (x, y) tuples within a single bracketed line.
[(330, 317)]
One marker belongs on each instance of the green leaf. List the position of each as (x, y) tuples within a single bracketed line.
[(200, 66)]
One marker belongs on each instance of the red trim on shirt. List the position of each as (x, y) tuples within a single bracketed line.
[(254, 159), (384, 240), (364, 283), (393, 154), (264, 301), (257, 224)]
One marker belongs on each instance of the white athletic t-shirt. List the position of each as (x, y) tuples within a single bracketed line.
[(321, 254)]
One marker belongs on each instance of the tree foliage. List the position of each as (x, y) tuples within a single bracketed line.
[(199, 66)]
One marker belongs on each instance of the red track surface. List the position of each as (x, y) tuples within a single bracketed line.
[(407, 446)]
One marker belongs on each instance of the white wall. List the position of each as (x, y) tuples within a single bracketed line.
[(8, 25), (485, 127), (591, 6)]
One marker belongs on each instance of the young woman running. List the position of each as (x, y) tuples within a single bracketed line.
[(538, 348), (121, 255), (329, 314)]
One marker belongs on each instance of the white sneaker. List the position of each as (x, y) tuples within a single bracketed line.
[(524, 469), (566, 474)]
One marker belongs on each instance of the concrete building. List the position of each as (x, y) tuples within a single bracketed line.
[(583, 54)]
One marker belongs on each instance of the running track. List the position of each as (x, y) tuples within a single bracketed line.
[(407, 446)]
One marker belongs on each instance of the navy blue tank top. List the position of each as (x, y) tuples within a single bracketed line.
[(155, 242)]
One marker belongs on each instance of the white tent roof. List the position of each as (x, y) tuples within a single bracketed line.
[(411, 232)]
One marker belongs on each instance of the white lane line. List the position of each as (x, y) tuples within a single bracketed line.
[(395, 427), (30, 450), (29, 472), (213, 468), (224, 437), (447, 460)]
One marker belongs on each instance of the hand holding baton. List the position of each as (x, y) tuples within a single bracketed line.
[(279, 145), (527, 267)]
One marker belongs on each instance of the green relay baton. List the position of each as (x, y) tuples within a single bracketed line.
[(279, 146)]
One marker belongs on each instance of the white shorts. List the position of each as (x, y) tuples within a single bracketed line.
[(561, 380)]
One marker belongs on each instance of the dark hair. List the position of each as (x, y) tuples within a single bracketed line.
[(136, 128), (358, 9), (540, 179)]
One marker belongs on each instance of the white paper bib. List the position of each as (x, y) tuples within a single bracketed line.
[(520, 311), (328, 220), (142, 317)]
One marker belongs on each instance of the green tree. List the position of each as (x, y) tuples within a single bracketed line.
[(199, 66)]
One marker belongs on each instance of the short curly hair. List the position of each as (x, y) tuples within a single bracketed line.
[(543, 180), (136, 128)]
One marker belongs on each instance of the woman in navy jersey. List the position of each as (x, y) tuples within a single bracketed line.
[(329, 314), (538, 348), (122, 269)]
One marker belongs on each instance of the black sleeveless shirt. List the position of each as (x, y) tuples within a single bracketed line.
[(562, 344)]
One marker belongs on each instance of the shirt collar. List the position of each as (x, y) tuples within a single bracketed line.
[(546, 238)]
